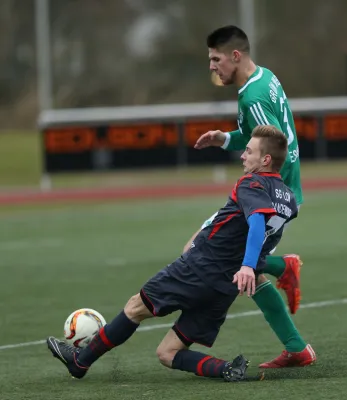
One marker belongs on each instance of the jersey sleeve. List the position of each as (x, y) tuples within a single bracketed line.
[(252, 197), (259, 113), (235, 141)]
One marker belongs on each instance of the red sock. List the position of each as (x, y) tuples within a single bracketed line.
[(112, 335)]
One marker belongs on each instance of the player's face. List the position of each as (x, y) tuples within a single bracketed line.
[(252, 157), (224, 65)]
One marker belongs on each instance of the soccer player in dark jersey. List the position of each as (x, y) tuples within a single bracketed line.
[(226, 259), (261, 101)]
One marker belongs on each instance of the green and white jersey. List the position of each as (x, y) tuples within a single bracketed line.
[(262, 101)]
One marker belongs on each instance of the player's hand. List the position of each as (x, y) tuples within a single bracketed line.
[(245, 279), (210, 138)]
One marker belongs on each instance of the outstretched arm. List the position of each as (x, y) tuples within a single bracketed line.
[(235, 140), (227, 140)]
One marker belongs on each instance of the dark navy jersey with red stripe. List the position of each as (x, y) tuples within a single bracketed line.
[(218, 250)]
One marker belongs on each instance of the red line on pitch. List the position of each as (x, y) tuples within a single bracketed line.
[(25, 197)]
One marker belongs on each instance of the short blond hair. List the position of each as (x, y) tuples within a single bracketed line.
[(273, 142)]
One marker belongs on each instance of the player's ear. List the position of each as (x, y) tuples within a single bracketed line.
[(235, 56), (267, 160)]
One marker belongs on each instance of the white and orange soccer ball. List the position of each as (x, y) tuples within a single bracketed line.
[(82, 325)]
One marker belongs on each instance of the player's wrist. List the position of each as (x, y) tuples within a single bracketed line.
[(225, 145), (248, 265)]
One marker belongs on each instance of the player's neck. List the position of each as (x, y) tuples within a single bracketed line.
[(264, 170), (247, 69)]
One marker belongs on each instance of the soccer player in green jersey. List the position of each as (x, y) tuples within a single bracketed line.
[(261, 101)]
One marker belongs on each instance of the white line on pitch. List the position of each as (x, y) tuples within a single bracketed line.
[(317, 304), (115, 262), (27, 244)]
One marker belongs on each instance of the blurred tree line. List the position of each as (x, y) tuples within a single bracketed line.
[(127, 52)]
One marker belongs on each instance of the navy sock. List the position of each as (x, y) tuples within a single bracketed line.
[(120, 329), (199, 363), (111, 335)]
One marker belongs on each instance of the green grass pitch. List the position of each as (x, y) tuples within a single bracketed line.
[(55, 259)]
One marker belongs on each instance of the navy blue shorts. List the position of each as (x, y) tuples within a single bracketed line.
[(204, 309)]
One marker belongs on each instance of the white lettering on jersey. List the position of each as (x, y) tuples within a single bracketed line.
[(275, 80), (290, 133), (294, 154), (282, 209), (280, 194), (273, 89)]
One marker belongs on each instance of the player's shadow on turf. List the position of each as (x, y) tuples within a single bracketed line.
[(121, 375), (310, 372)]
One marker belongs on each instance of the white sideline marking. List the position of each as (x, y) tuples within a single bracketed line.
[(27, 244), (116, 262), (317, 304)]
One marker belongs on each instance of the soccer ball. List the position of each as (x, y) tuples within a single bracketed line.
[(82, 325)]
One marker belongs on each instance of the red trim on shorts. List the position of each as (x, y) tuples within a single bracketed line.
[(189, 341), (147, 302), (184, 336), (105, 339), (221, 223), (200, 364)]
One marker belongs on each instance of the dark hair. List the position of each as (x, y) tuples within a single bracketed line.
[(273, 142), (230, 37)]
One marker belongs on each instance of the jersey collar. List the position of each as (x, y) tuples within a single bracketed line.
[(257, 74), (269, 174)]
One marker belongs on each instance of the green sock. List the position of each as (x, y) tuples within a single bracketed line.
[(275, 266), (275, 312)]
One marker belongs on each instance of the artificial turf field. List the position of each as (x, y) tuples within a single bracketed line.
[(57, 258)]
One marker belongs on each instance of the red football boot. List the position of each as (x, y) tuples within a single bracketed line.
[(289, 281), (291, 359)]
